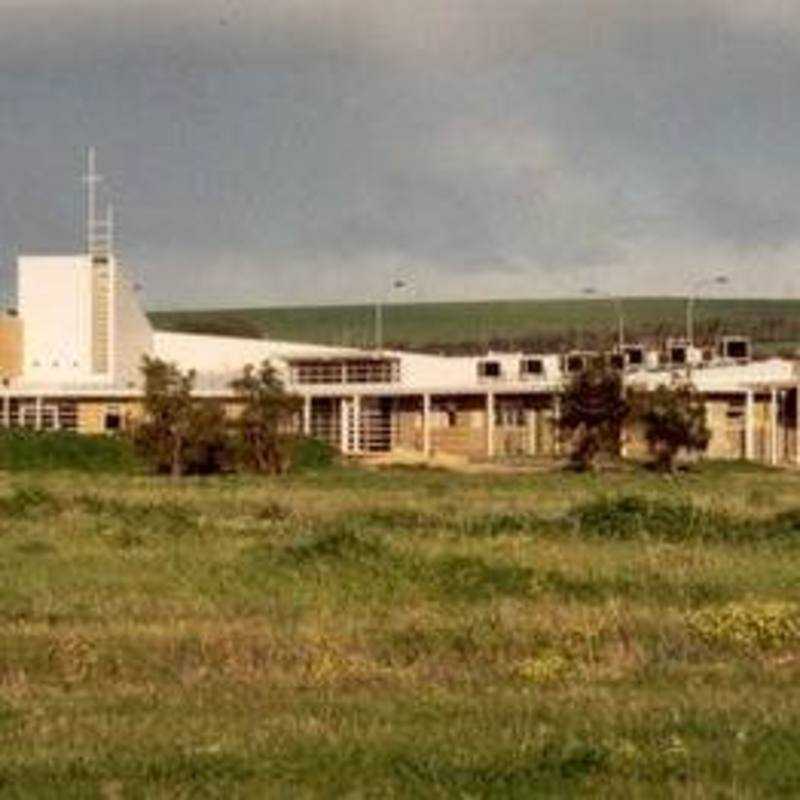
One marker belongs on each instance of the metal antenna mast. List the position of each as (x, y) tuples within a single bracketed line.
[(92, 179), (109, 231), (99, 230)]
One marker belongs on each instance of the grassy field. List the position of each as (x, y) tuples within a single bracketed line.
[(549, 325), (407, 633)]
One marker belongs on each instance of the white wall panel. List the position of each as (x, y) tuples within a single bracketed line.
[(54, 302)]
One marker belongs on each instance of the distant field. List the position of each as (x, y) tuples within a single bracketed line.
[(402, 634), (539, 324)]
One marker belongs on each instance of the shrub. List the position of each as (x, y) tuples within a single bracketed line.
[(750, 627), (181, 434), (546, 668), (593, 411), (674, 420), (631, 515), (26, 499), (336, 544), (267, 412), (43, 451), (309, 455)]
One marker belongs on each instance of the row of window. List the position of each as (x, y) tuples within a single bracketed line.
[(36, 363), (345, 371), (49, 416)]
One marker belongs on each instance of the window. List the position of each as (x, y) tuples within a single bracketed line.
[(737, 349), (575, 363), (736, 409), (347, 371), (678, 355), (113, 422), (509, 416), (27, 415), (617, 361), (531, 366), (635, 356), (489, 369), (113, 419)]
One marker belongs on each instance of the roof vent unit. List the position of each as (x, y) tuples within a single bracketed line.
[(616, 360), (635, 356), (489, 370), (738, 349), (682, 354), (577, 361), (531, 368)]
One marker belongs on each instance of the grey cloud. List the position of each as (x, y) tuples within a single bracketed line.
[(304, 148)]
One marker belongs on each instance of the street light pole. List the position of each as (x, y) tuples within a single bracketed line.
[(379, 324), (617, 301), (719, 280), (620, 322), (397, 283)]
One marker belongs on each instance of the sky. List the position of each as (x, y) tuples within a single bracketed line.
[(281, 152)]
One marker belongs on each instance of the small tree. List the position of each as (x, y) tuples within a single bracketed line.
[(267, 413), (180, 434), (674, 419), (593, 410)]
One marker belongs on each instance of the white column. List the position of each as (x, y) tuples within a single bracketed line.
[(426, 425), (38, 408), (7, 410), (344, 426), (773, 427), (307, 415), (797, 427), (532, 432), (490, 424), (112, 322), (749, 427), (556, 425), (357, 443)]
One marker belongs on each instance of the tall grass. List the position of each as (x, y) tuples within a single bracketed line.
[(399, 634)]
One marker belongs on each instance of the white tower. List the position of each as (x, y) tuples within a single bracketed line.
[(82, 319)]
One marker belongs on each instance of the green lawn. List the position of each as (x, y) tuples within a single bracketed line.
[(407, 633), (550, 324)]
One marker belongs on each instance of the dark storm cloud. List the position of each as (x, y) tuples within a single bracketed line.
[(304, 151)]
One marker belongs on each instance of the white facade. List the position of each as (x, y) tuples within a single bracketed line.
[(54, 302), (131, 332), (82, 322), (219, 359)]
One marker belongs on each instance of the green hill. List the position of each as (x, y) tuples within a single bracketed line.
[(533, 324)]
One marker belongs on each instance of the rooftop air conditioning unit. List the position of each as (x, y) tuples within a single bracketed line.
[(735, 348), (680, 353), (634, 355), (616, 360), (491, 370), (577, 361), (531, 367)]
